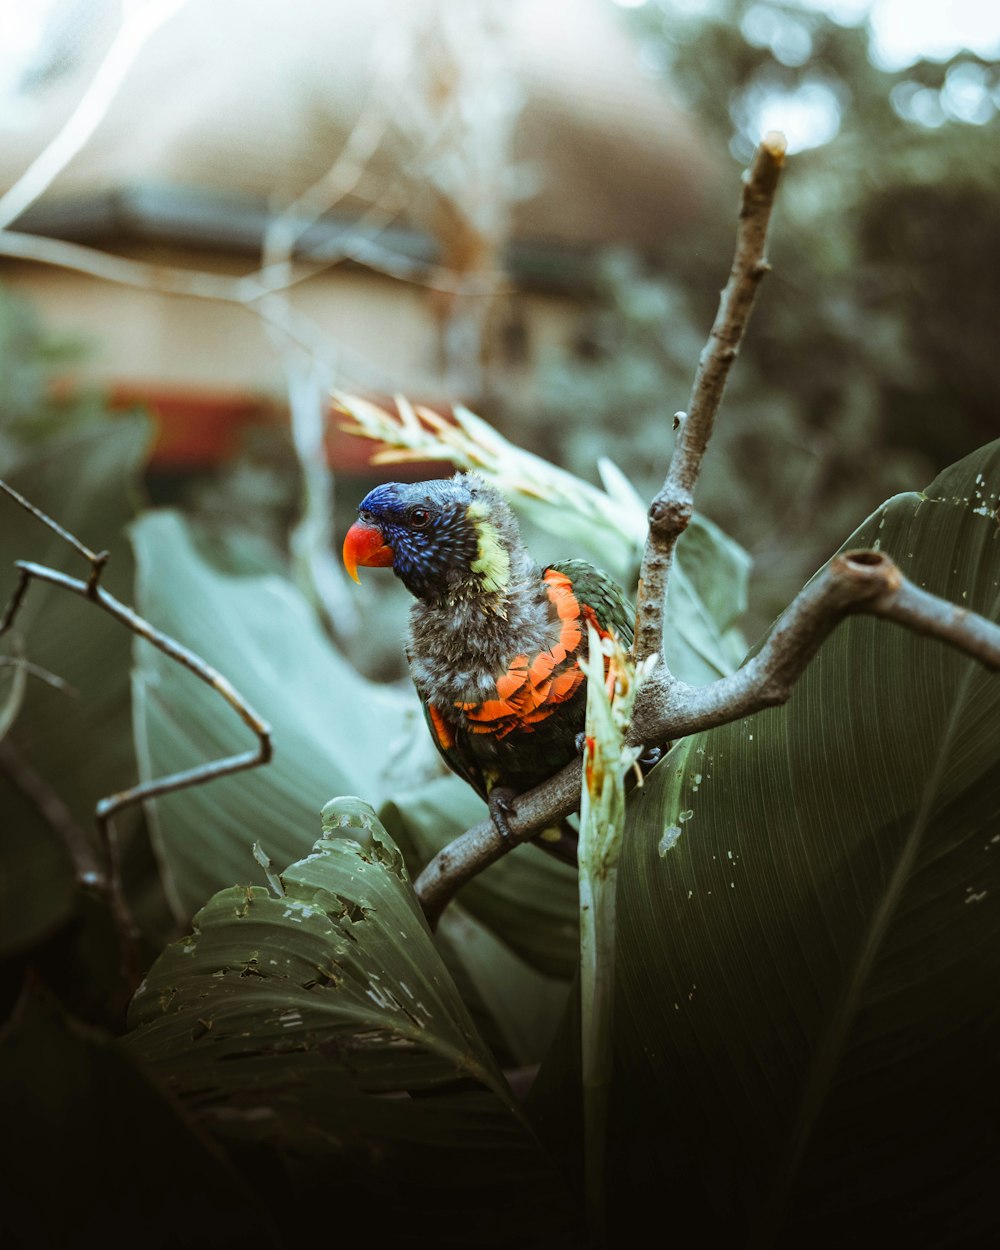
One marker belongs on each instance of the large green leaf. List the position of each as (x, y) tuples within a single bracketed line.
[(333, 731), (706, 599), (516, 1007), (78, 746), (528, 899), (511, 943), (93, 1148), (809, 1022), (322, 1026)]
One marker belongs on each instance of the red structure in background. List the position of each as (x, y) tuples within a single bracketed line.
[(198, 430)]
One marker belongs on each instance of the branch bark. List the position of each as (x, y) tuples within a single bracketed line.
[(667, 709), (671, 510)]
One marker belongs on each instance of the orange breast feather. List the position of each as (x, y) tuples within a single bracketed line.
[(532, 689)]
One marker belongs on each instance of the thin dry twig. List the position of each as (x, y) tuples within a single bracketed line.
[(854, 582), (672, 509), (108, 807), (41, 674), (667, 709), (105, 878)]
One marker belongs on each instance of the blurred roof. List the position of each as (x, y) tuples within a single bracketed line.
[(384, 109)]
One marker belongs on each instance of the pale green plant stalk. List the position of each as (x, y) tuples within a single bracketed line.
[(607, 760)]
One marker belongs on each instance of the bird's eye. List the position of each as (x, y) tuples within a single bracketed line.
[(419, 517)]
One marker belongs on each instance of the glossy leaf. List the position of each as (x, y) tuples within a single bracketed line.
[(706, 600), (321, 1025), (810, 931)]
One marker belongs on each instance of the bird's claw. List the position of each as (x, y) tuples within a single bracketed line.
[(650, 757), (501, 801)]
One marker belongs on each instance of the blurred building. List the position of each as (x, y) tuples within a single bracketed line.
[(407, 193)]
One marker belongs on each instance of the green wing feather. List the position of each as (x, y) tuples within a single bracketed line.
[(595, 588)]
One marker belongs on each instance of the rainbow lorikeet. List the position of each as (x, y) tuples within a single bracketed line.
[(494, 639)]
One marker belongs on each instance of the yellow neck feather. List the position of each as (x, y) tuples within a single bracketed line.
[(492, 563)]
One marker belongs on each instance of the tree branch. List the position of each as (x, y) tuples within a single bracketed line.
[(667, 709), (258, 292), (671, 510), (108, 807), (105, 878)]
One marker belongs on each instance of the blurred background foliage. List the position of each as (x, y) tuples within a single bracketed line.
[(33, 407), (870, 363)]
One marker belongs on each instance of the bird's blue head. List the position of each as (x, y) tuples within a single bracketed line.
[(438, 536)]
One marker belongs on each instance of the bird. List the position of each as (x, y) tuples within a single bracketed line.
[(495, 639)]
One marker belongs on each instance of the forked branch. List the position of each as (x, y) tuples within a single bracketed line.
[(667, 709)]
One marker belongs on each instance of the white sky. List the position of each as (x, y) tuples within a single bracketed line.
[(905, 29), (908, 29)]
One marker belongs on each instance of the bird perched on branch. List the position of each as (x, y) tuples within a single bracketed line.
[(494, 639)]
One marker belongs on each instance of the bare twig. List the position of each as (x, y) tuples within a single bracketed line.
[(853, 582), (106, 878), (166, 279), (92, 557), (477, 848), (110, 806), (39, 673), (671, 510), (667, 709)]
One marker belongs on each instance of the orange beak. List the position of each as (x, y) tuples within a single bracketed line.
[(365, 545)]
